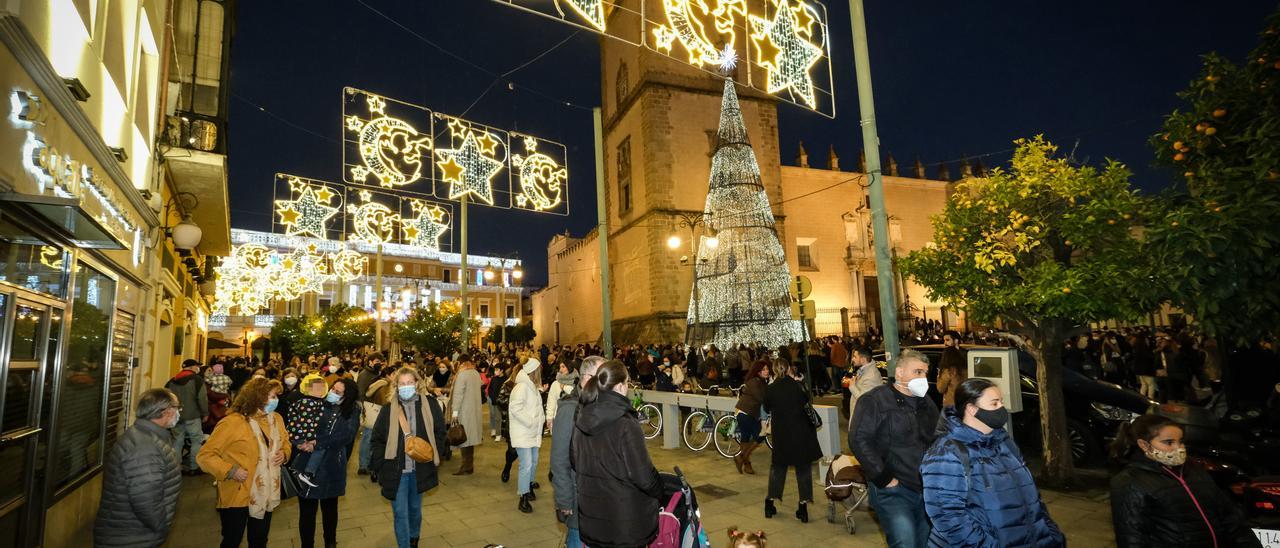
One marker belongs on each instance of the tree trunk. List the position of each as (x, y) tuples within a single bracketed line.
[(1045, 345)]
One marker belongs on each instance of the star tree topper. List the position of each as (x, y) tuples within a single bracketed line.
[(783, 51), (470, 168), (309, 213)]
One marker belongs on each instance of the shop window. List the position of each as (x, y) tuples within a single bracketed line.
[(80, 418), (25, 260)]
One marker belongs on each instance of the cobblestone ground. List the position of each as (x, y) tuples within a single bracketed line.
[(479, 509)]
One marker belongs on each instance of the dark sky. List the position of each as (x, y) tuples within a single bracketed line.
[(952, 79)]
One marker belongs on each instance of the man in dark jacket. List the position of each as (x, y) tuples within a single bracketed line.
[(142, 478), (893, 426), (193, 400), (563, 477)]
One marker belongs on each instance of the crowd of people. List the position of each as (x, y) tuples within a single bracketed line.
[(944, 475)]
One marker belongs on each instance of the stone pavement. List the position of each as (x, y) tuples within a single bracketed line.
[(479, 509)]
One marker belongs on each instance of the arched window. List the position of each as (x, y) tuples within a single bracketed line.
[(622, 86)]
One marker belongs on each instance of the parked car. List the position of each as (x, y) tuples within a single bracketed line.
[(1095, 409)]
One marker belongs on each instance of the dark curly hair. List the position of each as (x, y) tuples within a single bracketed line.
[(254, 395)]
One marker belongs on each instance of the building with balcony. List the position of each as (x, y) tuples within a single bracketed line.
[(411, 277)]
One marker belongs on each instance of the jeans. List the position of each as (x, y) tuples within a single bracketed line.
[(307, 520), (528, 467), (804, 480), (188, 430), (406, 509), (495, 417), (313, 463), (366, 448), (902, 516), (234, 523), (573, 539)]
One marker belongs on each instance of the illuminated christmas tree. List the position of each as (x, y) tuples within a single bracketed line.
[(741, 282)]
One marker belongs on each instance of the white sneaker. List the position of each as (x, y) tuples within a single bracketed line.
[(499, 438), (304, 478)]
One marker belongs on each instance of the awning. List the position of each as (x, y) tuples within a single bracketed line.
[(67, 216), (218, 344)]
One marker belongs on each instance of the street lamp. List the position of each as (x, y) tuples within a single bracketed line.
[(692, 220), (673, 242)]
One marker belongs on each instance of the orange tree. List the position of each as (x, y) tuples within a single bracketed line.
[(1219, 240), (435, 328), (1045, 247)]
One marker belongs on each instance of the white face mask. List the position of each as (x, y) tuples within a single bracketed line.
[(173, 423), (918, 387)]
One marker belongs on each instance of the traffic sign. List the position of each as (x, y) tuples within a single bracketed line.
[(800, 288), (804, 310)]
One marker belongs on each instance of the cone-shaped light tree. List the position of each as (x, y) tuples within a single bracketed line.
[(741, 283)]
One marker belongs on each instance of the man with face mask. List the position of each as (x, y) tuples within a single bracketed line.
[(142, 478), (892, 427)]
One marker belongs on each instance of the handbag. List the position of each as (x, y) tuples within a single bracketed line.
[(288, 483), (810, 413), (371, 411), (457, 435), (417, 448)]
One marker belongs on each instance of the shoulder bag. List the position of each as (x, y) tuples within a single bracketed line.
[(811, 413), (417, 448)]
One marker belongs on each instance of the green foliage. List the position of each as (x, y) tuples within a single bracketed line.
[(295, 336), (1044, 240), (521, 333), (1218, 239), (345, 328), (435, 328)]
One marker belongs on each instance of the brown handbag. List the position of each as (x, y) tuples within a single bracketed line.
[(417, 448), (457, 435)]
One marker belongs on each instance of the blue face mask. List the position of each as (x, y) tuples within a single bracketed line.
[(333, 397), (271, 405), (407, 392)]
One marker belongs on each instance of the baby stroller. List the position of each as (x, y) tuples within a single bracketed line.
[(686, 509), (845, 484)]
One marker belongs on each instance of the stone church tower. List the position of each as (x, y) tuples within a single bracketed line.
[(660, 119)]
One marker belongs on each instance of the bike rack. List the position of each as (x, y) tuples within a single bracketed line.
[(672, 402)]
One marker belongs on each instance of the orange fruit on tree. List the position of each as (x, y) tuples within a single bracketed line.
[(1179, 157), (1218, 113), (1189, 174), (1066, 290), (1177, 145), (1210, 130)]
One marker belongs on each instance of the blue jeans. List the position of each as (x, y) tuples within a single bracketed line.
[(902, 516), (366, 448), (528, 467), (406, 509), (573, 539), (188, 430), (495, 417), (313, 462)]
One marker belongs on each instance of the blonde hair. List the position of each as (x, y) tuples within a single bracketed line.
[(746, 539)]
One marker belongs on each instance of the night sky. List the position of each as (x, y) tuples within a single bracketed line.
[(952, 80)]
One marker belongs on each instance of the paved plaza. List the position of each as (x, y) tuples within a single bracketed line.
[(479, 509)]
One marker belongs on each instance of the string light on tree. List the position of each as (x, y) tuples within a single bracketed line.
[(390, 148), (541, 178), (309, 214), (427, 227)]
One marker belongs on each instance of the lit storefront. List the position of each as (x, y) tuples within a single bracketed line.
[(73, 233)]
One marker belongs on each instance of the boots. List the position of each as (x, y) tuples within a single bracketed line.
[(524, 505), (413, 543), (747, 449), (737, 459), (769, 510), (802, 513), (468, 462)]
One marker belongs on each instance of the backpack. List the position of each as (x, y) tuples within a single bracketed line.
[(668, 525)]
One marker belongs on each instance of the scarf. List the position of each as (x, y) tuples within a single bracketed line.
[(569, 378), (425, 423), (264, 491)]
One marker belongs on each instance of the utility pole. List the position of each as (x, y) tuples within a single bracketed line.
[(879, 218), (462, 277), (377, 304), (602, 234)]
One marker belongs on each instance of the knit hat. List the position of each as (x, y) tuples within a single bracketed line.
[(530, 365)]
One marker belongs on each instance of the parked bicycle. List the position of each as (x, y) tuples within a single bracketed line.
[(728, 439), (700, 426), (650, 414)]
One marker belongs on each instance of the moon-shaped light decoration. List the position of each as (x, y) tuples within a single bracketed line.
[(385, 143), (372, 222), (348, 264), (540, 178)]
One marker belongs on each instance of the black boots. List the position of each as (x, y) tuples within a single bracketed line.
[(802, 513), (506, 473), (413, 543), (769, 510), (524, 505)]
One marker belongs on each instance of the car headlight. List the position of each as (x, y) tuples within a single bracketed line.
[(1112, 412)]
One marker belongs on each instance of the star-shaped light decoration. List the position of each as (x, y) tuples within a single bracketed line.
[(728, 59), (308, 214), (426, 229), (785, 54), (478, 169)]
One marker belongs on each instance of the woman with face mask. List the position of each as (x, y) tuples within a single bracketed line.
[(977, 489), (1160, 499), (324, 460)]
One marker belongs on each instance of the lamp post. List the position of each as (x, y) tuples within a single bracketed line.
[(692, 221)]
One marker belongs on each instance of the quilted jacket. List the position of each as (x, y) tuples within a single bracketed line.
[(994, 503), (140, 488), (1150, 507)]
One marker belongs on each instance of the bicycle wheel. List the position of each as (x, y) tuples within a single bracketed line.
[(697, 431), (650, 420), (727, 437)]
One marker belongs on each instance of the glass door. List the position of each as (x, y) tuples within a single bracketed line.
[(29, 342)]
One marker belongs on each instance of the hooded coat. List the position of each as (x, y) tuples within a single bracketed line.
[(993, 503), (618, 487), (525, 409)]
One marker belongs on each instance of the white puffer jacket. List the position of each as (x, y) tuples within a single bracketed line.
[(525, 409)]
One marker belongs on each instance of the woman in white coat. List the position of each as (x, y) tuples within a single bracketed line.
[(527, 420)]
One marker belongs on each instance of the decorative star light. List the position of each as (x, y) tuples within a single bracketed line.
[(468, 168), (309, 213), (541, 178), (427, 227), (390, 148), (786, 55), (728, 59)]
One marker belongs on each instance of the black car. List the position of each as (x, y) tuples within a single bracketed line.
[(1095, 409)]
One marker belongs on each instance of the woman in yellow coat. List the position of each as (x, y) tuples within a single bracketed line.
[(244, 455)]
